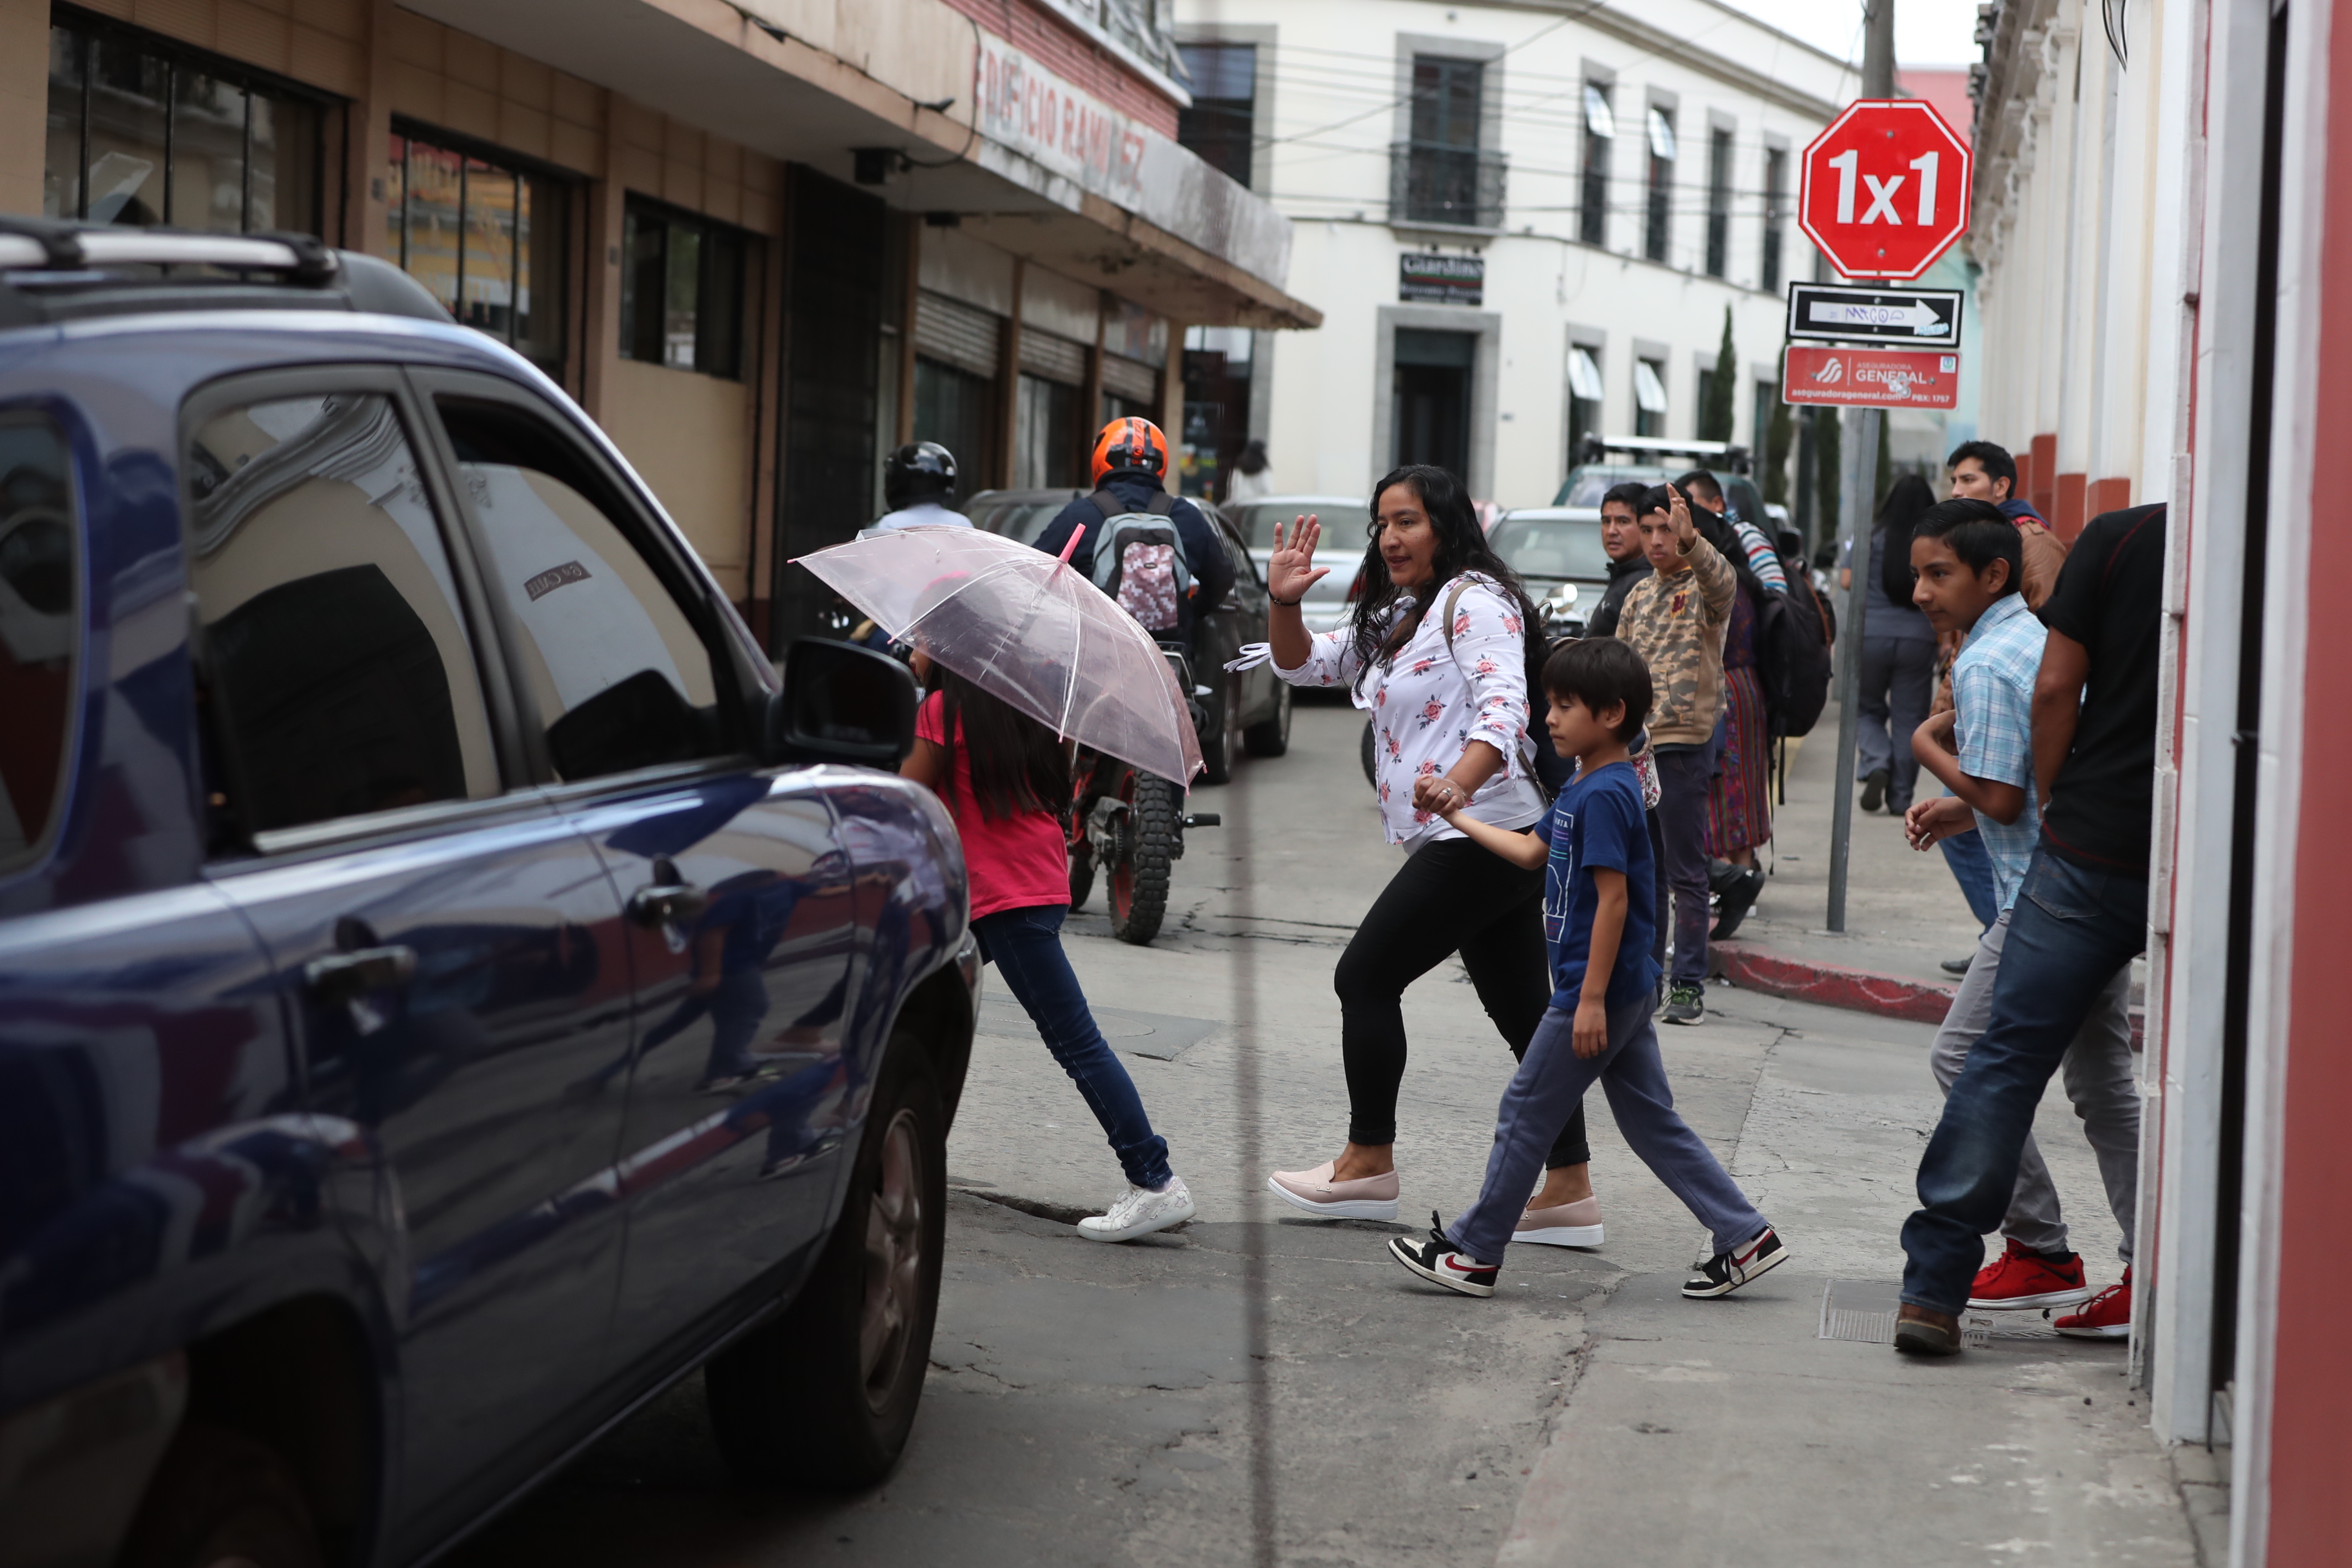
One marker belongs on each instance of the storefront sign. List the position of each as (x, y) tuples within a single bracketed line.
[(1871, 378), (1442, 279), (1028, 108)]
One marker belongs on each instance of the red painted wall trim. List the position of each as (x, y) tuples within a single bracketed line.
[(2043, 491), (2106, 495), (1074, 57), (2311, 1389), (2070, 517)]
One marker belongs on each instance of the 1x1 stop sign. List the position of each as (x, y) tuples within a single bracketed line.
[(1885, 190)]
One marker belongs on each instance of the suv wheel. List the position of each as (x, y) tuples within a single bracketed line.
[(220, 1499), (824, 1394), (1220, 737)]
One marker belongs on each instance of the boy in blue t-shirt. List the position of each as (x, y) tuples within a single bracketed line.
[(1600, 903)]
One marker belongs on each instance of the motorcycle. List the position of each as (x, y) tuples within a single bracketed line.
[(1130, 825)]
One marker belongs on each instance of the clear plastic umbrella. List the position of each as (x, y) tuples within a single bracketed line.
[(1023, 626)]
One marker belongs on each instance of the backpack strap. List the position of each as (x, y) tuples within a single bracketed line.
[(1107, 502)]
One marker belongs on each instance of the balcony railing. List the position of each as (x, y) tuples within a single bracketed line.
[(1430, 183)]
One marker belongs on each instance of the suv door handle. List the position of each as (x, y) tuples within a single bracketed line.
[(667, 904), (347, 976)]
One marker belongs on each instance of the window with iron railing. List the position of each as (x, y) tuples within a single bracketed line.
[(1719, 201), (1599, 142), (1221, 126), (1658, 230), (1442, 174), (1776, 186)]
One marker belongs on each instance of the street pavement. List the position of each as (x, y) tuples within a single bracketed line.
[(1261, 1388)]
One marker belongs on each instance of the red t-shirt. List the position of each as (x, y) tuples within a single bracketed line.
[(1016, 862)]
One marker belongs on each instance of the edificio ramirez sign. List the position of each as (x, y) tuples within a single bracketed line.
[(1028, 108)]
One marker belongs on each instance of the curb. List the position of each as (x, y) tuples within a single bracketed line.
[(1830, 984)]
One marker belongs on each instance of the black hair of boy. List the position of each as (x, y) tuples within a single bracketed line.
[(1655, 498), (1700, 486), (1978, 533), (1629, 493), (1994, 460), (1599, 672)]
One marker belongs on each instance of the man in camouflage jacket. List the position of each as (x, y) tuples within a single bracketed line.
[(1675, 619)]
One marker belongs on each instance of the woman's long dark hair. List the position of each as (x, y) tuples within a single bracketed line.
[(1461, 547), (1018, 765), (1907, 498)]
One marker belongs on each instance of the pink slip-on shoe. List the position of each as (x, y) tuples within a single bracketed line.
[(1569, 1225), (1371, 1197)]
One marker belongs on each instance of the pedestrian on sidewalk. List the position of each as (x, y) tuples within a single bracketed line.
[(1437, 653), (1621, 541), (1003, 776), (1675, 620), (2081, 915), (1740, 792), (1898, 654), (1597, 871), (1969, 560), (1253, 477)]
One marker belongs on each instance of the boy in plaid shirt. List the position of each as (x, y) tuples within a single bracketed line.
[(1968, 562)]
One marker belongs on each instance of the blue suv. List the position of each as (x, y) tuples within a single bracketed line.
[(452, 985)]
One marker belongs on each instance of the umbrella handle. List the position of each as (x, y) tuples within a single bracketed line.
[(1071, 546)]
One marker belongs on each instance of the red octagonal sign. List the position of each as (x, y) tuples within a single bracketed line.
[(1885, 188)]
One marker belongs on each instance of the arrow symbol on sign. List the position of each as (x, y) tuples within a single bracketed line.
[(1922, 321)]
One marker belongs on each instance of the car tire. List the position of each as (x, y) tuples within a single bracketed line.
[(219, 1498), (824, 1394), (1371, 778), (1081, 875), (1271, 737), (1220, 737)]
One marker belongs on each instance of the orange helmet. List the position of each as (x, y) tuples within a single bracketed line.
[(1130, 444)]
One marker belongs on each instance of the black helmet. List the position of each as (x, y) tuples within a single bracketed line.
[(912, 472)]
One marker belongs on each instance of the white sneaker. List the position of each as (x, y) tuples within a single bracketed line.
[(1140, 1211)]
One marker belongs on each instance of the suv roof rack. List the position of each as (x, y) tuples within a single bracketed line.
[(1595, 448), (52, 270)]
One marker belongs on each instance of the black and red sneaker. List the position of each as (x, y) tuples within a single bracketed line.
[(1437, 1262), (2022, 1279), (1727, 1271)]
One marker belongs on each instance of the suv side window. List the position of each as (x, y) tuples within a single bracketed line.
[(337, 678), (38, 601), (621, 674)]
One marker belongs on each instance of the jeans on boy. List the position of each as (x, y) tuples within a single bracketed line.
[(2069, 930), (1971, 865), (1683, 775), (1550, 1085), (1026, 945), (2099, 1085)]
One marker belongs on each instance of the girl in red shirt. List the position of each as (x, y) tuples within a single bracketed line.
[(1004, 778)]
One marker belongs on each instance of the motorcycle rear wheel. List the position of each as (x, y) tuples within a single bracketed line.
[(1138, 883)]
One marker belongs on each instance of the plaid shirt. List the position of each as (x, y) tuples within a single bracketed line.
[(1992, 688)]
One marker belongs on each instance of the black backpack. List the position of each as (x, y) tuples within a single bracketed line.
[(1792, 655)]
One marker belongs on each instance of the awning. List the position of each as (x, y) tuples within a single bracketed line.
[(1584, 375), (1032, 163), (1597, 117), (1662, 134), (1649, 391)]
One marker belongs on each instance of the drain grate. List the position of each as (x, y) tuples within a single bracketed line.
[(1863, 1311)]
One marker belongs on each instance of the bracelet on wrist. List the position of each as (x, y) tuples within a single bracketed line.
[(1286, 603)]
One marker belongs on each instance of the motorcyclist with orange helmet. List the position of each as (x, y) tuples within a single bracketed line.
[(1130, 467)]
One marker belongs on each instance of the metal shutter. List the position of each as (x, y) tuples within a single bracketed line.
[(956, 333), (1054, 358), (1130, 378)]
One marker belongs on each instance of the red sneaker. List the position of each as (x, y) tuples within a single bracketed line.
[(2018, 1279), (2106, 1316)]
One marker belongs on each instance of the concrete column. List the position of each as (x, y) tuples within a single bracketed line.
[(600, 316), (24, 103), (367, 170)]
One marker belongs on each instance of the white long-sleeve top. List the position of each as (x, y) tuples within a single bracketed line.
[(1428, 703)]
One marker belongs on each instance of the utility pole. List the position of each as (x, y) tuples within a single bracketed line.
[(1860, 498)]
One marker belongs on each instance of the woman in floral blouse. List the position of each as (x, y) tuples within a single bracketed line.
[(1438, 655)]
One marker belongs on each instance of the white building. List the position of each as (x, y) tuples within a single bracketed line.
[(1523, 222)]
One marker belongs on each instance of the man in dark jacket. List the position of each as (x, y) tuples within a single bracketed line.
[(1621, 536), (1130, 462)]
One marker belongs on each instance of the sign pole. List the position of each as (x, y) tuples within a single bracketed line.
[(1855, 504)]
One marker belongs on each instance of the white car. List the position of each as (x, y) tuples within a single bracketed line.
[(1557, 552), (1347, 530)]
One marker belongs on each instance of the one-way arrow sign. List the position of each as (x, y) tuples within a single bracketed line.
[(1839, 312)]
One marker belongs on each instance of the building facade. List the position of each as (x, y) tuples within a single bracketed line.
[(2163, 201), (1525, 222), (761, 243)]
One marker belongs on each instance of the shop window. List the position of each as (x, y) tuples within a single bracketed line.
[(682, 290), (489, 240), (1221, 126), (1045, 435), (141, 132), (958, 410)]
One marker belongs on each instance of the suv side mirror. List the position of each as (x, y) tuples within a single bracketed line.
[(842, 704)]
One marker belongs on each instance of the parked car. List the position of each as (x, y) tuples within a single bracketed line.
[(1557, 552), (452, 985), (1347, 526), (1246, 712)]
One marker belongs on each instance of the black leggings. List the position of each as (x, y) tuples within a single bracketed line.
[(1449, 894)]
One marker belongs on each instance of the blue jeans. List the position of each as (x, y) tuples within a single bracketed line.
[(1683, 775), (1971, 865), (2069, 932), (1026, 945)]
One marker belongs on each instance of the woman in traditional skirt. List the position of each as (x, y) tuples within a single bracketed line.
[(1738, 801)]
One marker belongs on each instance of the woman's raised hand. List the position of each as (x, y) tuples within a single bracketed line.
[(1292, 570)]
